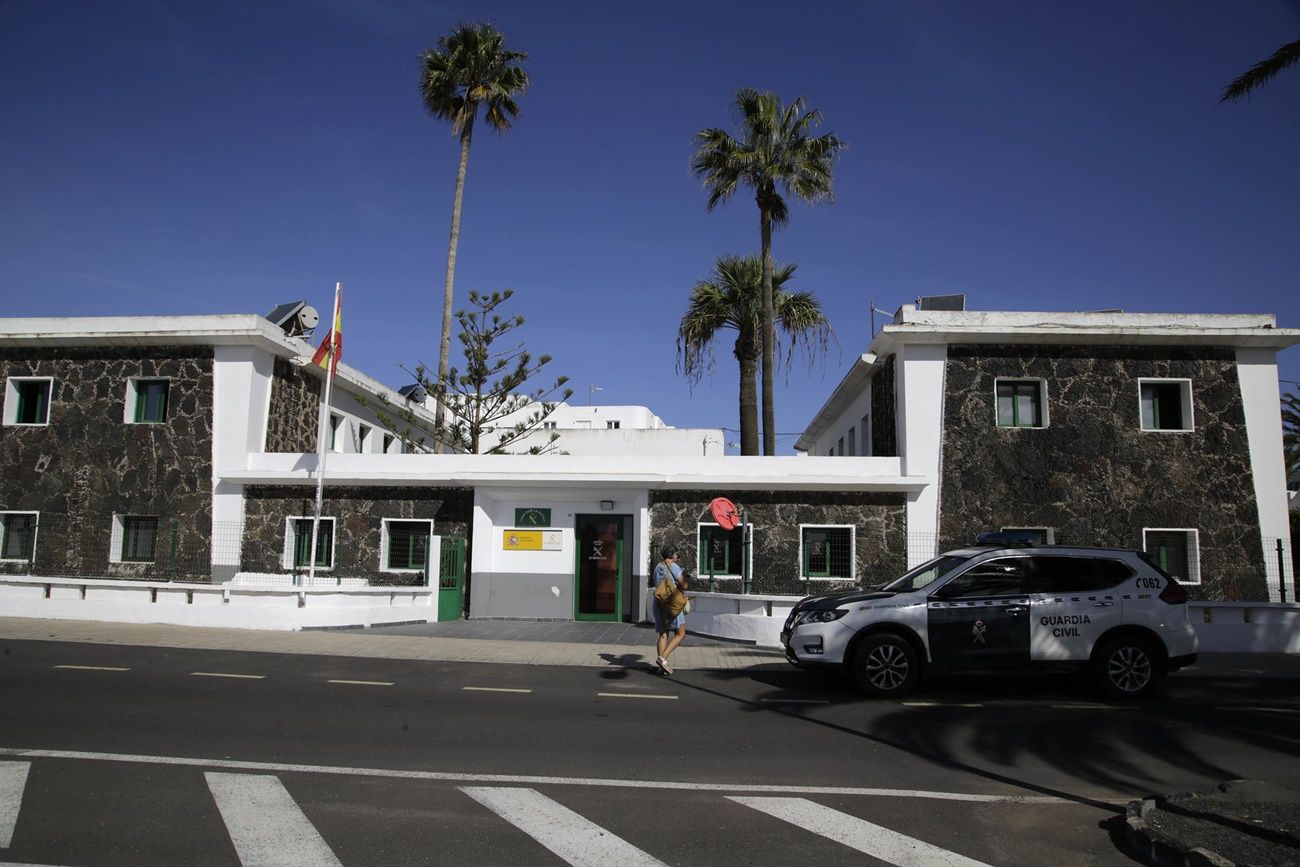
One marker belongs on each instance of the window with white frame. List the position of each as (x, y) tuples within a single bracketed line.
[(1166, 404), (297, 543), (363, 438), (336, 433), (826, 552), (146, 400), (1175, 550), (390, 443), (548, 425), (839, 446), (134, 539), (1021, 402), (721, 552), (613, 425), (1036, 535), (27, 400), (852, 441), (404, 545), (865, 438), (18, 535)]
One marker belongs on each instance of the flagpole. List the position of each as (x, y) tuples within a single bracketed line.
[(322, 429)]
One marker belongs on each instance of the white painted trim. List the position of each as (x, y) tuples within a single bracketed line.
[(1261, 401), (853, 553), (432, 554), (1044, 415), (1194, 549), (286, 557), (11, 401), (36, 535), (1186, 392)]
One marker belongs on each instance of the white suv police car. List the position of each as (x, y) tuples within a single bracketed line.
[(1110, 610)]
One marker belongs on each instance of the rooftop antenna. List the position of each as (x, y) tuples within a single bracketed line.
[(590, 389), (874, 311)]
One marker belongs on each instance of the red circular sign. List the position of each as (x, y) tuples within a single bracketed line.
[(724, 512)]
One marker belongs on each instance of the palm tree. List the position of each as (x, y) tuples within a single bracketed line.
[(731, 298), (1261, 72), (775, 150), (471, 67)]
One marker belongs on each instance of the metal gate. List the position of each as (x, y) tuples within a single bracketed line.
[(451, 578)]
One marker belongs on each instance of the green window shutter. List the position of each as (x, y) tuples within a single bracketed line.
[(151, 400), (302, 543), (139, 539)]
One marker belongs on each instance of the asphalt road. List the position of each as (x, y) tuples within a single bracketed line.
[(130, 755)]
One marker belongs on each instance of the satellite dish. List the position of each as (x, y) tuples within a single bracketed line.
[(724, 512), (308, 318)]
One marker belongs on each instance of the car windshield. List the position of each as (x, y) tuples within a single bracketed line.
[(926, 573)]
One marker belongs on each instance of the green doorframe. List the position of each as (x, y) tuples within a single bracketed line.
[(579, 522), (451, 578)]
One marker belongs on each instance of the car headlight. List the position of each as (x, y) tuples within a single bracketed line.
[(822, 615)]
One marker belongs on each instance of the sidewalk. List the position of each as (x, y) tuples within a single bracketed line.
[(630, 646), (508, 641)]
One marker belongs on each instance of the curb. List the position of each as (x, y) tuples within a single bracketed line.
[(1156, 851)]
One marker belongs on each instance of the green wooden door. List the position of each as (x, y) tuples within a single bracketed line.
[(451, 578), (598, 578)]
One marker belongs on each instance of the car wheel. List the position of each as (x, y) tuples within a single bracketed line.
[(886, 666), (1127, 668)]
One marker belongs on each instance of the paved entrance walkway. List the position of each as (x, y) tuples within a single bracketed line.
[(549, 631), (587, 644)]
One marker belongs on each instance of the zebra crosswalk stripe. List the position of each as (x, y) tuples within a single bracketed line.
[(13, 780), (874, 840), (570, 836), (265, 824)]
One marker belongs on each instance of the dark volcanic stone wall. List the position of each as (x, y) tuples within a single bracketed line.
[(359, 513), (295, 410), (1093, 474), (88, 464), (884, 424), (881, 536)]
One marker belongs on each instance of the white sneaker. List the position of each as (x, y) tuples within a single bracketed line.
[(664, 666)]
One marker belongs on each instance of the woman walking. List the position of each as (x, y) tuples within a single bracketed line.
[(670, 582)]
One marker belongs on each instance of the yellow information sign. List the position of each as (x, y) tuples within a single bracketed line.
[(531, 540)]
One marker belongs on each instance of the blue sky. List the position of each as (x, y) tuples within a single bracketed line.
[(163, 157)]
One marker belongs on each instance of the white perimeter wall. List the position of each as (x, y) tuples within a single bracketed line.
[(1257, 373)]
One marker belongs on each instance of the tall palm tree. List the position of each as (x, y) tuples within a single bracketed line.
[(732, 298), (1261, 72), (1291, 435), (471, 67), (775, 152)]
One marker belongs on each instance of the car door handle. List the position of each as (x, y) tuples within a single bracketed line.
[(1102, 604), (1016, 609)]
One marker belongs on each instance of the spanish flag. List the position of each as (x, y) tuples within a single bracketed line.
[(331, 348)]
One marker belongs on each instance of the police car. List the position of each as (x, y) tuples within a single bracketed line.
[(1003, 605)]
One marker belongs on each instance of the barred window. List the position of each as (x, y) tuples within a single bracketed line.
[(139, 538), (827, 552), (17, 535), (721, 552), (298, 543), (406, 545)]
